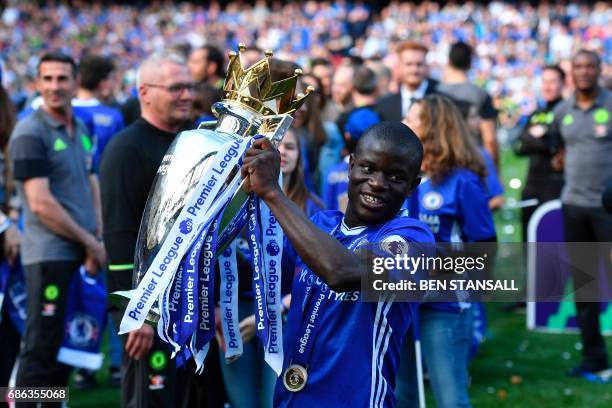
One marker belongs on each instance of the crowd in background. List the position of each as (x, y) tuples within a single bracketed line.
[(453, 74), (513, 41)]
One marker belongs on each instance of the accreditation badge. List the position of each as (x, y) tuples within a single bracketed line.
[(537, 131), (600, 130), (295, 378)]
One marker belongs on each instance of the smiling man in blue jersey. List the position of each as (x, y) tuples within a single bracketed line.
[(339, 350)]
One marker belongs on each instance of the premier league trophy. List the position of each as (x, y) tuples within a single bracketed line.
[(196, 206)]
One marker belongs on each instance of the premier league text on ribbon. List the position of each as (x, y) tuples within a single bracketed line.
[(175, 245), (232, 153), (272, 281), (228, 279), (205, 316)]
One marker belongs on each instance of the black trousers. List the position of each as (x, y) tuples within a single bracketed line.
[(47, 286), (586, 224), (150, 381), (155, 381)]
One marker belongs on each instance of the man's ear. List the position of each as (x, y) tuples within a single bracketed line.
[(142, 92), (351, 161)]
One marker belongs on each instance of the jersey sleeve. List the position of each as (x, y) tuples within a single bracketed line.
[(29, 156), (475, 216)]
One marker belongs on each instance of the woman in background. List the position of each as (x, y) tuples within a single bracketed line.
[(330, 152), (453, 202)]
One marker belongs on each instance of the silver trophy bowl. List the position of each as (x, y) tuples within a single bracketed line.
[(186, 161)]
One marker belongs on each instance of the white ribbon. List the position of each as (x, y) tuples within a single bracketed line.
[(195, 215), (272, 250)]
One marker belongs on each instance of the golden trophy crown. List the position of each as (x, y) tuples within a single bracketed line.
[(254, 88)]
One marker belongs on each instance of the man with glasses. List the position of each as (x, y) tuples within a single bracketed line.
[(128, 168)]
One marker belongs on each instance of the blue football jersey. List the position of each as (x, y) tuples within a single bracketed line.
[(457, 208), (335, 188), (356, 348), (106, 122)]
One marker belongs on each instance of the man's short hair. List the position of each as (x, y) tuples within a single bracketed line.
[(557, 69), (320, 61), (156, 60), (460, 56), (365, 81), (215, 55), (401, 138), (57, 56), (94, 69), (584, 51), (411, 45)]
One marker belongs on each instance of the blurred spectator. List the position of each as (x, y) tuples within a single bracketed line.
[(311, 131), (330, 152), (293, 175), (457, 86), (205, 96), (415, 83), (127, 171), (582, 128), (323, 70), (96, 85), (51, 152), (342, 88), (543, 182), (363, 96), (495, 189), (206, 64), (383, 75)]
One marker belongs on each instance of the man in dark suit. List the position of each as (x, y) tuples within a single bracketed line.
[(414, 82)]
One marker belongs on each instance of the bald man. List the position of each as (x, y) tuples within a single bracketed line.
[(128, 168)]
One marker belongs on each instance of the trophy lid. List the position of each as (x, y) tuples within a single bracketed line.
[(255, 89)]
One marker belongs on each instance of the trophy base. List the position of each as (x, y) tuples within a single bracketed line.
[(121, 299)]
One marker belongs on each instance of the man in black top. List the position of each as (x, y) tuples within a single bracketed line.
[(543, 183), (128, 168)]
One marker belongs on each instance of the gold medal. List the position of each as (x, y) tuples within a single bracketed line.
[(295, 377)]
